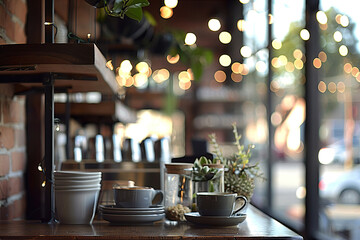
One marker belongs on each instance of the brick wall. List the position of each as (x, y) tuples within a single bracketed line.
[(12, 120)]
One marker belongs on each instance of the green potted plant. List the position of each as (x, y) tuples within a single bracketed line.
[(239, 173)]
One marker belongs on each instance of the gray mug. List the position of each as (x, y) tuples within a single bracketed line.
[(219, 203), (137, 197)]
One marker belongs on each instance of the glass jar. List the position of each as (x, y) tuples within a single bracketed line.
[(212, 181), (178, 190)]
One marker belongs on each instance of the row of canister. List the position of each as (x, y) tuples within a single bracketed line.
[(181, 184)]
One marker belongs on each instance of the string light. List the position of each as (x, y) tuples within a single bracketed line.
[(225, 37), (290, 67), (190, 39), (341, 87), (297, 54), (347, 67), (355, 71), (276, 44), (214, 24), (337, 36), (332, 87), (241, 25), (305, 34), (343, 50), (109, 65), (317, 63), (322, 87), (225, 60), (236, 77), (322, 55), (220, 76), (321, 17), (173, 59), (246, 51), (260, 66), (166, 12), (171, 3), (344, 21)]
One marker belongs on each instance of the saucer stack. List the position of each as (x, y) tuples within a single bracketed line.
[(120, 215), (76, 196)]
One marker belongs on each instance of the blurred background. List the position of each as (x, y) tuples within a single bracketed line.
[(192, 68)]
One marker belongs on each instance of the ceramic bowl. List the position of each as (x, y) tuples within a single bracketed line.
[(69, 182), (76, 206), (76, 174), (80, 187)]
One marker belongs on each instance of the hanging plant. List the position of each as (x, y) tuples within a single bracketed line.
[(195, 57), (121, 8)]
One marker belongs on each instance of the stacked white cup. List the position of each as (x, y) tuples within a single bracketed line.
[(76, 196)]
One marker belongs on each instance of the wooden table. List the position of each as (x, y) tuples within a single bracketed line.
[(256, 226)]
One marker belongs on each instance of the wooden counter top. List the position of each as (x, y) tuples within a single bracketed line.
[(256, 226)]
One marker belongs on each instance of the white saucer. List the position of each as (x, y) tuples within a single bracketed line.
[(120, 209), (115, 211), (194, 217), (131, 219)]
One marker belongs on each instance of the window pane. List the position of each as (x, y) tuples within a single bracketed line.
[(288, 115), (340, 131)]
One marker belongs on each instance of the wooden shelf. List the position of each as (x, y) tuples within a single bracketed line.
[(78, 67), (108, 111)]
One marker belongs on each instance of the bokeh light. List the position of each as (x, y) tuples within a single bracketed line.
[(245, 51), (173, 59), (322, 55), (190, 39), (161, 75), (321, 17), (332, 87), (171, 3), (337, 36), (297, 54), (343, 50), (322, 86), (317, 63), (341, 87), (241, 25), (276, 44), (214, 24), (166, 12), (125, 66), (344, 21), (348, 67), (236, 77), (237, 67), (220, 76), (225, 37), (305, 34), (225, 60), (260, 66)]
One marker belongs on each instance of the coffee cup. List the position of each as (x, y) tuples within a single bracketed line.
[(137, 197), (219, 203)]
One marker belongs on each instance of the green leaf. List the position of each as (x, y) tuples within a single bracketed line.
[(134, 13), (150, 18), (138, 3), (197, 69), (118, 7)]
